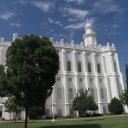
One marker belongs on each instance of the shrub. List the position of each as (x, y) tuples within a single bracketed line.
[(115, 106)]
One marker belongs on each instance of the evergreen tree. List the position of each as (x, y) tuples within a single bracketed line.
[(115, 106), (124, 97), (126, 72)]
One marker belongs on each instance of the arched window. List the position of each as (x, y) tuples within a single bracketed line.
[(98, 68), (115, 67), (104, 64), (104, 109), (102, 93), (68, 65), (89, 67), (70, 94), (79, 67), (92, 92), (59, 94), (119, 86), (59, 112), (90, 83)]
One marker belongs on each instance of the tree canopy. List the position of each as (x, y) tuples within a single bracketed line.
[(115, 106), (11, 106), (126, 72), (2, 81), (32, 63), (124, 97), (83, 101)]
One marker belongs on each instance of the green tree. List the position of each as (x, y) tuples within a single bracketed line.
[(32, 63), (11, 106), (2, 81), (115, 106), (124, 97), (83, 101), (126, 72)]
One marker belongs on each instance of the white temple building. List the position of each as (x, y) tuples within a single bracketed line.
[(87, 65)]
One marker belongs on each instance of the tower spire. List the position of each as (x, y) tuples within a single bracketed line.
[(89, 36)]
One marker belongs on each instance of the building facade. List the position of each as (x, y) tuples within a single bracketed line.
[(88, 66)]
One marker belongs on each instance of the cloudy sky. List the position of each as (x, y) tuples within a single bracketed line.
[(66, 19)]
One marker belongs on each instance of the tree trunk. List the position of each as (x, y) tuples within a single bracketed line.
[(26, 118)]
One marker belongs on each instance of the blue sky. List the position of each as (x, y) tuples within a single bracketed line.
[(66, 19)]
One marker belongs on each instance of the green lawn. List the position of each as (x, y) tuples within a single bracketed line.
[(100, 122)]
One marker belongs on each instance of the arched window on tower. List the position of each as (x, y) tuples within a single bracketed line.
[(68, 65), (79, 67), (70, 94), (59, 94), (98, 68), (89, 67)]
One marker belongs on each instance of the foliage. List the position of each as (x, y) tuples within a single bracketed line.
[(115, 106), (35, 112), (2, 81), (11, 106), (124, 97), (32, 63), (83, 101), (126, 72)]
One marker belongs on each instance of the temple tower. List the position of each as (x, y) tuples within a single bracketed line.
[(90, 35)]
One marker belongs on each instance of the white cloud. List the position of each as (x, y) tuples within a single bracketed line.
[(106, 6), (77, 13), (44, 6), (50, 20), (15, 24), (79, 25), (23, 2), (7, 15), (75, 25), (58, 23), (77, 1)]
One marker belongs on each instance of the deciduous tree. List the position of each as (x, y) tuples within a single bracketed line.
[(11, 106), (83, 101), (32, 63)]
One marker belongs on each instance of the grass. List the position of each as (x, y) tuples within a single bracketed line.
[(99, 122)]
